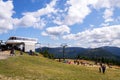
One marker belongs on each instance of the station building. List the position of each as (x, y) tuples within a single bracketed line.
[(25, 44)]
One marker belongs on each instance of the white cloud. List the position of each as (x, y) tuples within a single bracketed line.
[(105, 24), (6, 9), (117, 20), (6, 12), (77, 11), (97, 37), (58, 30), (55, 32), (44, 11), (29, 19), (115, 3), (33, 19), (108, 15), (106, 4), (58, 21), (109, 6), (102, 4), (44, 33)]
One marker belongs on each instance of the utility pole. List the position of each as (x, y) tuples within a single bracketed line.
[(48, 46), (39, 46), (0, 44)]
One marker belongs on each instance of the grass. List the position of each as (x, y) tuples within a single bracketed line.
[(39, 68)]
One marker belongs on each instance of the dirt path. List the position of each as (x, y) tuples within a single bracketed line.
[(4, 54)]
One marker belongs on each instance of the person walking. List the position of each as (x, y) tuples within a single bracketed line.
[(12, 52), (103, 69)]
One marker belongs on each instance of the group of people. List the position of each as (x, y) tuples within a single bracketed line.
[(33, 53), (12, 52), (102, 68)]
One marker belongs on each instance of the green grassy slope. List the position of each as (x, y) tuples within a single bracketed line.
[(38, 68)]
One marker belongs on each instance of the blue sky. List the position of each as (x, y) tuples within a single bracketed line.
[(81, 23)]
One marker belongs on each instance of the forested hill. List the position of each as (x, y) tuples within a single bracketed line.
[(114, 50), (99, 54), (72, 52)]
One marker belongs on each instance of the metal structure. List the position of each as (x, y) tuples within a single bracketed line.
[(64, 46)]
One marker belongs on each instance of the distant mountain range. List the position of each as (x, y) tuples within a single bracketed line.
[(113, 50), (73, 52), (99, 54)]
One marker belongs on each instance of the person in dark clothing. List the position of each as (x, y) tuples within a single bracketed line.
[(100, 69), (78, 62), (103, 68), (12, 52), (31, 52), (21, 52)]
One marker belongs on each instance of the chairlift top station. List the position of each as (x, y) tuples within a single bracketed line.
[(23, 43)]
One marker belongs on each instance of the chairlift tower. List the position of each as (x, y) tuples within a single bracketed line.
[(64, 46)]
